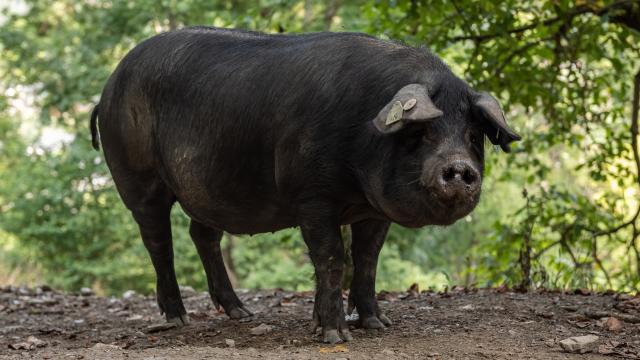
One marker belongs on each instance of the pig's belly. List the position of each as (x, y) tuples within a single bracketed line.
[(238, 212)]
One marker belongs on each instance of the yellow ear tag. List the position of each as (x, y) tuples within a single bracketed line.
[(395, 114), (409, 104)]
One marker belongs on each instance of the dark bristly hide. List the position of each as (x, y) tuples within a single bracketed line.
[(253, 133)]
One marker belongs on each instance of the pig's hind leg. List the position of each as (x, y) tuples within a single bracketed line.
[(367, 239), (207, 241), (150, 202)]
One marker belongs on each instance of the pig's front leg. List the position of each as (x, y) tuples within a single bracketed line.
[(367, 239), (321, 233)]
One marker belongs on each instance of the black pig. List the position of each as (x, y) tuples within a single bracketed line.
[(253, 133)]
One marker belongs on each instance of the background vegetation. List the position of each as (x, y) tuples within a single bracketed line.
[(561, 211)]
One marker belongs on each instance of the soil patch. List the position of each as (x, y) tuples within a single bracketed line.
[(41, 323)]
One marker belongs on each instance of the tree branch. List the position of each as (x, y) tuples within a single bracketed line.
[(635, 109), (596, 258), (330, 12), (626, 5)]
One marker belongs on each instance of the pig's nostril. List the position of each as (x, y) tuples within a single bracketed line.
[(469, 176), (448, 174)]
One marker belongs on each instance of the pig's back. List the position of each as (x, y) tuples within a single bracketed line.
[(234, 121)]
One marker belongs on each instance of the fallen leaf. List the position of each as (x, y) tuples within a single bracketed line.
[(387, 296), (335, 349), (583, 292), (414, 288), (613, 324)]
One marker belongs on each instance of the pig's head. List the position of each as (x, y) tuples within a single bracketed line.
[(429, 162)]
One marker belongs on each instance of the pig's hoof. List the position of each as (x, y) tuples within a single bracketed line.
[(331, 337), (372, 323), (180, 320), (239, 313), (334, 337), (385, 320), (346, 335)]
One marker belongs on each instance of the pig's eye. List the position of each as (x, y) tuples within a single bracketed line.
[(412, 139), (473, 138), (428, 136)]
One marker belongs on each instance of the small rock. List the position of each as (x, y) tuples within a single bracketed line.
[(187, 291), (31, 343), (613, 324), (579, 344), (468, 307), (261, 329), (388, 352), (23, 291), (128, 294), (160, 327), (544, 314), (631, 319), (86, 291), (596, 314), (134, 318), (230, 343), (352, 317), (35, 341), (121, 313), (106, 347), (569, 308), (21, 346), (550, 343), (78, 322), (609, 348)]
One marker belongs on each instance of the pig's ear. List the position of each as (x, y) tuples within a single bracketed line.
[(410, 104), (494, 125)]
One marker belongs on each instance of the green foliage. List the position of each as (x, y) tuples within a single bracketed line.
[(563, 70)]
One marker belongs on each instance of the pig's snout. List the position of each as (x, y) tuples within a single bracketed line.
[(458, 179)]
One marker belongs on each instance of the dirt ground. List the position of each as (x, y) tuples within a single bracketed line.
[(460, 323)]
